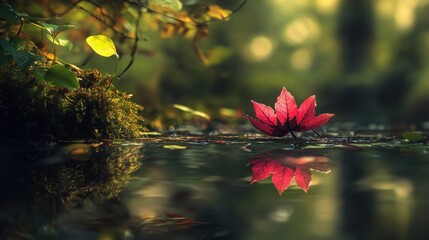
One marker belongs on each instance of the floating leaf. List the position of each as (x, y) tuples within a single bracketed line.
[(151, 133), (61, 76), (174, 147), (413, 136), (183, 108), (192, 111), (287, 117), (102, 45)]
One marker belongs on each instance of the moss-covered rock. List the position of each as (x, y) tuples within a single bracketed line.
[(35, 109)]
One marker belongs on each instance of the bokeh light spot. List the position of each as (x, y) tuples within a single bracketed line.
[(301, 59), (326, 6), (260, 48), (385, 8), (301, 30), (404, 18)]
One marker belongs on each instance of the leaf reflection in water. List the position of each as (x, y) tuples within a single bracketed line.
[(284, 165)]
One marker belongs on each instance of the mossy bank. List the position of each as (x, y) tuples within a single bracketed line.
[(37, 110)]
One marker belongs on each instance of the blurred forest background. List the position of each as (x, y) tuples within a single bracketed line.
[(367, 61)]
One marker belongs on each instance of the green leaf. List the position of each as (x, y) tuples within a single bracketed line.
[(6, 47), (24, 59), (60, 41), (4, 60), (53, 29), (20, 43), (8, 14), (61, 76), (102, 45), (413, 136), (39, 73), (174, 5)]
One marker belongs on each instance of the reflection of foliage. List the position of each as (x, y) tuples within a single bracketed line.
[(46, 199), (39, 193), (95, 179)]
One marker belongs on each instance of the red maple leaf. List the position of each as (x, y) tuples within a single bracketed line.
[(284, 165), (287, 117)]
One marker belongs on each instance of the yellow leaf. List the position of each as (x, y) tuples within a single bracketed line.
[(183, 108), (174, 147), (174, 5), (168, 31), (192, 111), (102, 45), (151, 133), (201, 114), (217, 12)]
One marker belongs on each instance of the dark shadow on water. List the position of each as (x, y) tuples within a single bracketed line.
[(39, 185)]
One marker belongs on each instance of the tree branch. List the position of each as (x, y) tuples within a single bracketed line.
[(135, 44)]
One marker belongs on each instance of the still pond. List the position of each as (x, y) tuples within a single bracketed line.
[(369, 186)]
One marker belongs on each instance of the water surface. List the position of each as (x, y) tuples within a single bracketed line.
[(200, 188)]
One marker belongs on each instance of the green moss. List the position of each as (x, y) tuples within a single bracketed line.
[(37, 110)]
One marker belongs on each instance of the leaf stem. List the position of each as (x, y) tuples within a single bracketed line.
[(293, 134), (20, 27), (316, 133), (87, 58)]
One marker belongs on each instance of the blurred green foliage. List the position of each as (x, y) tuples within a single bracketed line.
[(365, 60)]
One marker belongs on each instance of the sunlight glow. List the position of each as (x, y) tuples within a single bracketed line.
[(385, 8), (404, 16), (326, 6), (301, 59), (301, 30), (279, 2), (261, 48), (301, 3)]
